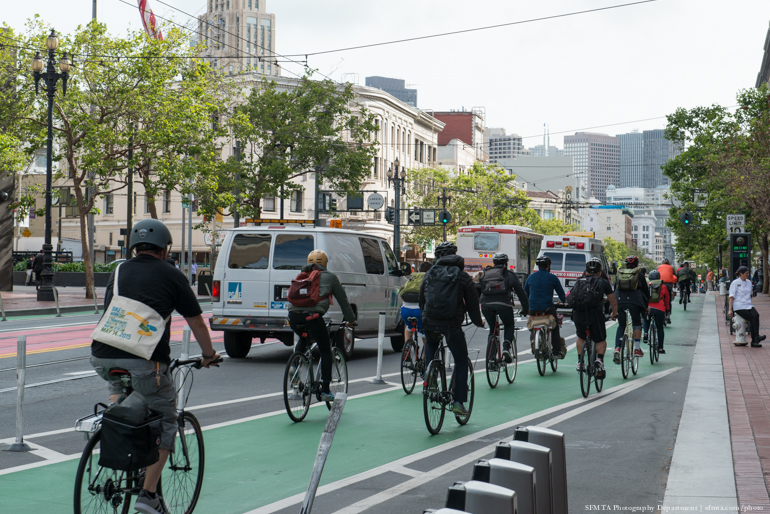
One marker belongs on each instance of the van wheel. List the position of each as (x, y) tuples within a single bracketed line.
[(237, 344), (345, 340), (397, 342)]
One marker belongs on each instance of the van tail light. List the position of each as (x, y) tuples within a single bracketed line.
[(581, 246), (549, 244), (572, 244), (216, 287)]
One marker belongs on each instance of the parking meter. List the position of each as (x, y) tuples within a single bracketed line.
[(740, 253)]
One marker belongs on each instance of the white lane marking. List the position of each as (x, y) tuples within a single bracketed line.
[(48, 382), (82, 373), (407, 471), (45, 453)]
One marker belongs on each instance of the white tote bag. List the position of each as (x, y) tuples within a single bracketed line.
[(129, 325)]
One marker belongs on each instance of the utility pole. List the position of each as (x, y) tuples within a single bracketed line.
[(398, 179), (444, 198), (90, 226), (189, 239), (130, 193), (236, 215)]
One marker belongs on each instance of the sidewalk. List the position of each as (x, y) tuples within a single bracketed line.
[(747, 385)]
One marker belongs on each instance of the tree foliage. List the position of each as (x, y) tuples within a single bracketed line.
[(617, 251)]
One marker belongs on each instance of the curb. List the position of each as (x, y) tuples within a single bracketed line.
[(44, 311)]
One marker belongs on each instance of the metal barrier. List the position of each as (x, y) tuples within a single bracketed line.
[(380, 343), (21, 372), (511, 475), (555, 442), (477, 497), (539, 457)]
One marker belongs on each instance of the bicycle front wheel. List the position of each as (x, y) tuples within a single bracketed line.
[(624, 364), (99, 489), (539, 355), (656, 345), (182, 478), (510, 367), (296, 387), (493, 362), (651, 331), (339, 383), (409, 366), (585, 374), (554, 363), (432, 396)]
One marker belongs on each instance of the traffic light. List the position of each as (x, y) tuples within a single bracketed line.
[(390, 215), (445, 217), (687, 218)]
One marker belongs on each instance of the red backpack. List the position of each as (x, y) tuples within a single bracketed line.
[(305, 290)]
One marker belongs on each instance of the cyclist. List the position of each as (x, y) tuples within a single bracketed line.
[(631, 293), (497, 286), (446, 294), (686, 278), (668, 277), (540, 287), (660, 303), (148, 279), (410, 307), (588, 311), (312, 317)]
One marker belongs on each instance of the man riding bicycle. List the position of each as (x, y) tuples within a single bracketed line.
[(686, 278), (311, 317), (540, 287), (446, 294), (146, 278), (588, 312), (632, 294), (497, 285), (410, 307), (668, 277), (659, 303)]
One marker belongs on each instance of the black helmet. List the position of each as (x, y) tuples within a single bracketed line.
[(445, 248), (666, 261), (500, 258), (643, 270), (594, 266), (654, 275), (632, 261), (543, 262), (152, 233)]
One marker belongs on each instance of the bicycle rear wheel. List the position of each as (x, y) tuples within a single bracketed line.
[(598, 382), (585, 374), (656, 347), (296, 387), (99, 489), (624, 364), (432, 396), (409, 366), (339, 383), (554, 363), (634, 361), (685, 299), (651, 336), (182, 478), (471, 392), (510, 367), (493, 363), (539, 356)]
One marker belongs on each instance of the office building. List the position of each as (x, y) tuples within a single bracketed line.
[(763, 77), (467, 126), (539, 151), (597, 161), (503, 146), (395, 87), (631, 159), (657, 152), (613, 221), (643, 232)]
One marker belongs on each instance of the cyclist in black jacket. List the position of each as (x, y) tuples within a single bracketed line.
[(467, 301), (636, 302)]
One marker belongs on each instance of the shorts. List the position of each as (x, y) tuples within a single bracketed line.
[(161, 398), (412, 313), (592, 321)]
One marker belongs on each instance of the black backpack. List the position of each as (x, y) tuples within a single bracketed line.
[(586, 294), (442, 292), (493, 282)]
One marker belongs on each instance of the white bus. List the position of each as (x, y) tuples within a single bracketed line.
[(478, 243)]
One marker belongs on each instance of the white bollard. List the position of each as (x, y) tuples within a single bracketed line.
[(181, 376), (380, 342), (2, 309), (56, 297), (21, 370), (211, 297), (96, 304)]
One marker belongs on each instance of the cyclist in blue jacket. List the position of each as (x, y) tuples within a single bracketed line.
[(540, 287)]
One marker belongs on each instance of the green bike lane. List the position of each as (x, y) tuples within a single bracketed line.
[(255, 462)]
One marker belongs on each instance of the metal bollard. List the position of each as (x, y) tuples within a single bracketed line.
[(2, 309), (555, 441), (477, 497), (539, 457), (56, 298), (511, 475), (380, 342), (96, 304), (21, 371), (180, 376)]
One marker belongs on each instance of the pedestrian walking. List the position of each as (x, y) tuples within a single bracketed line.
[(38, 267), (194, 271), (30, 271)]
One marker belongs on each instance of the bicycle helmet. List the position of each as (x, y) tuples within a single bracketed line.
[(594, 266), (643, 270), (543, 262), (500, 258), (150, 234), (632, 261), (318, 257), (666, 261), (654, 275), (445, 248)]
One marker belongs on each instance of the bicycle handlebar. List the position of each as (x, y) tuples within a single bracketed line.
[(196, 363)]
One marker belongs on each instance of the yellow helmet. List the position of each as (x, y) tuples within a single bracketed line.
[(318, 257)]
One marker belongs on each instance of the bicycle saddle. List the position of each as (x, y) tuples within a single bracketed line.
[(119, 372)]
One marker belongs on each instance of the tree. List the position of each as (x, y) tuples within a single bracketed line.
[(132, 95), (617, 251)]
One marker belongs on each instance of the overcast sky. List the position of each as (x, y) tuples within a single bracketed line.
[(609, 67)]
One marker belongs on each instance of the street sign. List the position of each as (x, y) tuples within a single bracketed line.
[(428, 217), (375, 201), (414, 217), (736, 223), (26, 233)]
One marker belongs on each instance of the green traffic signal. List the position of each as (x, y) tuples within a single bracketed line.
[(445, 217)]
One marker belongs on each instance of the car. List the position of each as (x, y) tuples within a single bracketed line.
[(257, 263)]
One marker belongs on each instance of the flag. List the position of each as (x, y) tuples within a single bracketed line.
[(148, 20)]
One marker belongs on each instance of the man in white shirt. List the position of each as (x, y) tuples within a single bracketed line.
[(740, 302)]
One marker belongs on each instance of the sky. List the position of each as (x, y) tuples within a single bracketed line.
[(612, 67)]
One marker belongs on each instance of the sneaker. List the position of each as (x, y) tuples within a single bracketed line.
[(616, 356), (580, 367), (507, 357), (646, 338), (327, 397), (563, 351), (680, 301), (638, 352), (459, 409), (148, 505), (668, 319), (661, 351), (599, 367)]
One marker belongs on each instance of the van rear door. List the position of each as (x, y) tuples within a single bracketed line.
[(247, 275), (290, 251)]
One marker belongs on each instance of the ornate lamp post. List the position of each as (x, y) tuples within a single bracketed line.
[(398, 179), (50, 77), (445, 198)]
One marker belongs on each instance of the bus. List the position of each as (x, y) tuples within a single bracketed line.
[(478, 243)]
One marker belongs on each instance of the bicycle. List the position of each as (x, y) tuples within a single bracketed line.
[(300, 384), (541, 325), (589, 371), (685, 296), (436, 398), (412, 359), (101, 489), (495, 361), (652, 339), (627, 358)]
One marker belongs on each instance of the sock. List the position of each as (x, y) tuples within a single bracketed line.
[(151, 495), (600, 356), (637, 344)]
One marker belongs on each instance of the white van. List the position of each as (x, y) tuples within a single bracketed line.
[(257, 264), (569, 254)]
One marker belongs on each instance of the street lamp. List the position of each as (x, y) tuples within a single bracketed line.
[(50, 77), (445, 198), (398, 179)]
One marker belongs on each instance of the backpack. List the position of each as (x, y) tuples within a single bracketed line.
[(410, 293), (586, 293), (655, 290), (493, 282), (683, 274), (628, 279), (442, 292), (305, 290)]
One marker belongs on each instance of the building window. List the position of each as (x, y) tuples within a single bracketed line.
[(108, 204), (146, 204), (296, 201), (609, 219), (166, 201), (110, 238), (268, 203)]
